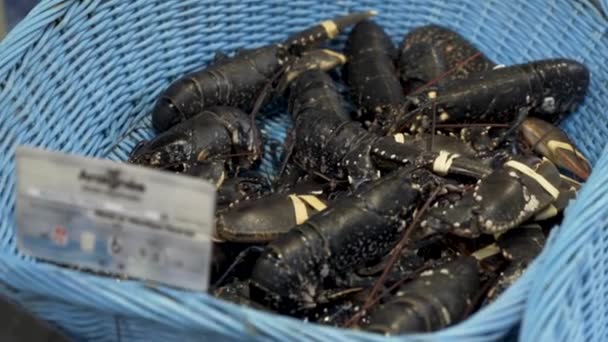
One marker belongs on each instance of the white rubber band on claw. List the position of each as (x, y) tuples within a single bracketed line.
[(299, 209), (542, 181), (547, 213), (485, 252), (330, 28), (314, 202), (443, 162), (555, 144), (399, 137)]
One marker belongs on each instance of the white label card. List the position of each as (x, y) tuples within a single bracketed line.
[(115, 217)]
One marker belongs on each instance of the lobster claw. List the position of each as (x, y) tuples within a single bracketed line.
[(323, 31), (211, 135), (211, 171), (501, 200), (552, 143), (169, 150), (137, 147), (520, 246), (515, 193)]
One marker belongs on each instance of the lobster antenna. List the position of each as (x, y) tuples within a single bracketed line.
[(356, 317), (432, 82), (447, 73), (472, 125), (238, 260), (289, 146), (432, 97), (261, 99)]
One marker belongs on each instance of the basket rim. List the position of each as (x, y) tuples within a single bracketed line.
[(23, 36)]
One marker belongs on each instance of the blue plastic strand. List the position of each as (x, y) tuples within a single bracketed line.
[(82, 77)]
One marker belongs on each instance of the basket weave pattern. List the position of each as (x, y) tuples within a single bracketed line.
[(82, 77)]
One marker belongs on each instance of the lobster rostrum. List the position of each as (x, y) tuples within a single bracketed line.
[(548, 89), (240, 81), (352, 231), (370, 73), (428, 53)]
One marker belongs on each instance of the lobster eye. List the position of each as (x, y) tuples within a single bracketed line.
[(169, 104)]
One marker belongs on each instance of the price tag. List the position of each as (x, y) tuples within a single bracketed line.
[(115, 217)]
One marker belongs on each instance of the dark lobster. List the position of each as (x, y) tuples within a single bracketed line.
[(501, 200), (547, 88), (352, 231), (326, 140), (240, 81), (203, 145)]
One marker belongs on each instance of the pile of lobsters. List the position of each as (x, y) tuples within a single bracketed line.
[(415, 186)]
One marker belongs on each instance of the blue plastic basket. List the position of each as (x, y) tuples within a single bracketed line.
[(82, 76)]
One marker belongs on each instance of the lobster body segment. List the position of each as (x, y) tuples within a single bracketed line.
[(433, 53), (352, 231), (371, 74)]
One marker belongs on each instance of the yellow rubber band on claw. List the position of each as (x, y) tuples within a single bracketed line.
[(314, 202), (485, 252), (330, 28), (335, 54), (299, 209), (547, 213), (570, 180)]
